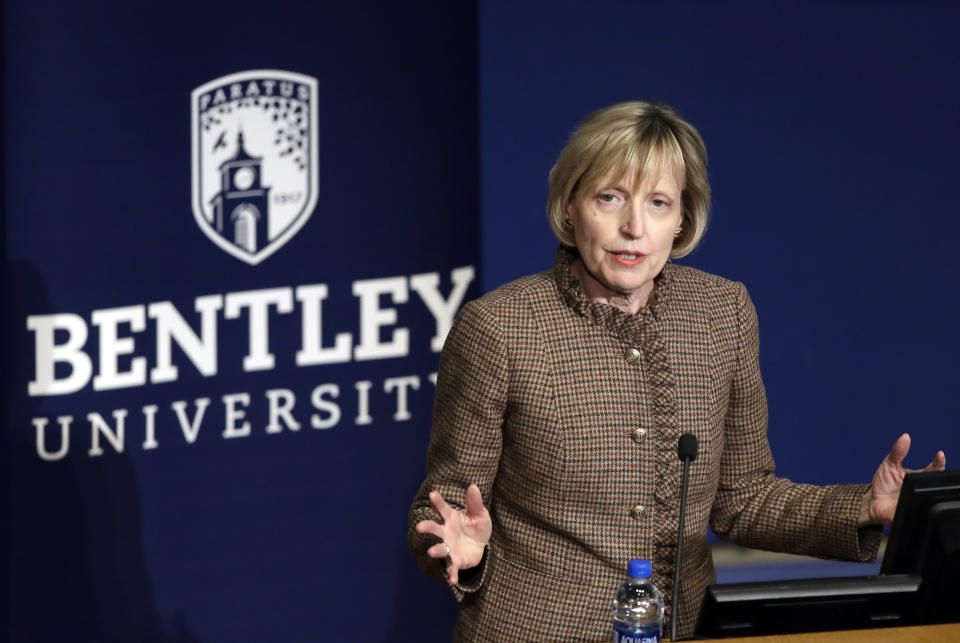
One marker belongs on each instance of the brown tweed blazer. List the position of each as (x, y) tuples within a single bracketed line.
[(566, 413)]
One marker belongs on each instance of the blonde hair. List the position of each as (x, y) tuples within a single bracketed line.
[(642, 137)]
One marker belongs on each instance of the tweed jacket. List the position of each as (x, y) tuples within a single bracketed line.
[(567, 412)]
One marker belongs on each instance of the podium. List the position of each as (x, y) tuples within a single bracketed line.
[(948, 633)]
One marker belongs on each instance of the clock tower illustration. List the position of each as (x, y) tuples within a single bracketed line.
[(241, 208)]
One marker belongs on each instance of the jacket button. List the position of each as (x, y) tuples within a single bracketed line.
[(638, 435), (637, 512), (633, 356)]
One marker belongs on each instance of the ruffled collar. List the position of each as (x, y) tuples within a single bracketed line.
[(606, 314)]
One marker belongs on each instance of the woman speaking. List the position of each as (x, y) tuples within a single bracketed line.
[(561, 397)]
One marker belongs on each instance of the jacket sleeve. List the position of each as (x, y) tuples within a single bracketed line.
[(466, 437), (754, 508)]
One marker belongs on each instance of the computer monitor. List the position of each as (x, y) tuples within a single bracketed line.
[(925, 541), (919, 581), (808, 605)]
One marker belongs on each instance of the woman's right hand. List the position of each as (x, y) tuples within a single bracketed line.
[(464, 533)]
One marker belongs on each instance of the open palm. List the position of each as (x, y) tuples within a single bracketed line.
[(885, 487), (464, 533)]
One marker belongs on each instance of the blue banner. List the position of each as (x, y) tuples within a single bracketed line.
[(237, 235)]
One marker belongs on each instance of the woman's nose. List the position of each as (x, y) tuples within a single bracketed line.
[(632, 226)]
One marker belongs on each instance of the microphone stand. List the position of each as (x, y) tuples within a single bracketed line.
[(687, 452)]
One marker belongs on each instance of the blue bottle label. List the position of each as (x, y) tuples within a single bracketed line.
[(648, 634)]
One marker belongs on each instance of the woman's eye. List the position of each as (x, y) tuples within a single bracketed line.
[(660, 203), (608, 198)]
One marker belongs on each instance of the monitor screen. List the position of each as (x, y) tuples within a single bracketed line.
[(925, 541), (919, 581), (925, 499), (807, 605)]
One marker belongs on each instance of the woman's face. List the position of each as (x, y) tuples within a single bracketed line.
[(624, 234)]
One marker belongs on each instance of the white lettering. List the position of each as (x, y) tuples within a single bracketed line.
[(190, 428), (258, 303), (312, 351), (401, 384), (233, 414), (372, 318), (281, 401), (201, 350), (64, 367), (150, 427), (112, 347), (41, 425), (280, 411), (443, 311), (327, 406), (99, 426), (47, 354), (363, 402)]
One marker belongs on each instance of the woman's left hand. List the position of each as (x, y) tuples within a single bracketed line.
[(880, 502)]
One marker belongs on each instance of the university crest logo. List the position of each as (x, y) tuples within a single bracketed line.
[(254, 159)]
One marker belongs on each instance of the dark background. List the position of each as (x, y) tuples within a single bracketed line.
[(297, 536), (832, 132)]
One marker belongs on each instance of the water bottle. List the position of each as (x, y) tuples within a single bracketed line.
[(638, 607)]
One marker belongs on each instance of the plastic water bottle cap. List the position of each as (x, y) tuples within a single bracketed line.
[(638, 568)]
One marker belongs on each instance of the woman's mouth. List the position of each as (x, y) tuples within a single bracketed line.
[(627, 258)]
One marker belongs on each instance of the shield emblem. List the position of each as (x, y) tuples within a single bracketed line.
[(254, 159)]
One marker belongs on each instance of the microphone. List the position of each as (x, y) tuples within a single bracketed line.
[(687, 447), (687, 452)]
